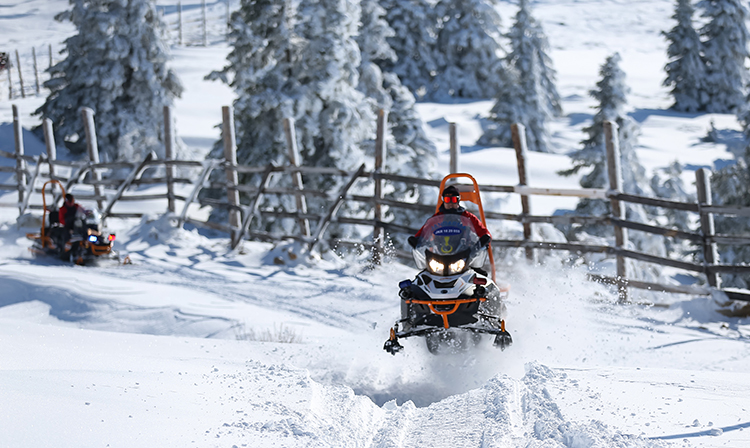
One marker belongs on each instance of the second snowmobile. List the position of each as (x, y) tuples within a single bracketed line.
[(84, 242), (452, 301)]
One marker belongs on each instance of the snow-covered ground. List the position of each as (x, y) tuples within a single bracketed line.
[(195, 345)]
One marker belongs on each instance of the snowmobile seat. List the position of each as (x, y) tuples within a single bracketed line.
[(54, 216)]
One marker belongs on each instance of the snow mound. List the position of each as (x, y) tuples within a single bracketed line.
[(288, 253)]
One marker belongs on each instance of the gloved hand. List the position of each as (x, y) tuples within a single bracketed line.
[(413, 240), (484, 240)]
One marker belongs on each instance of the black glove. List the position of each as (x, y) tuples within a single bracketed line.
[(413, 240), (484, 240)]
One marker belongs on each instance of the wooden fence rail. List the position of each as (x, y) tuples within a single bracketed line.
[(109, 191)]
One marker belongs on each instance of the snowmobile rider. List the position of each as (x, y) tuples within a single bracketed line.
[(67, 214), (451, 205)]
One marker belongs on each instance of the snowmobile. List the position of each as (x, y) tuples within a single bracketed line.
[(85, 243), (452, 302)]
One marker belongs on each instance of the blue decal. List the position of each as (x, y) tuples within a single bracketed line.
[(447, 231)]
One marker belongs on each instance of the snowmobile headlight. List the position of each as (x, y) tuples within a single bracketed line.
[(93, 238), (436, 267), (457, 266)]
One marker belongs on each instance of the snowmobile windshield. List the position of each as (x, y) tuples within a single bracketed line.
[(448, 245), (92, 219)]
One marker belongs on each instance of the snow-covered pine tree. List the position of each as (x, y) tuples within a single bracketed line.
[(536, 97), (333, 117), (468, 49), (686, 69), (731, 186), (611, 93), (260, 71), (414, 43), (409, 151), (667, 183), (372, 39), (116, 64), (528, 44), (509, 108), (725, 40)]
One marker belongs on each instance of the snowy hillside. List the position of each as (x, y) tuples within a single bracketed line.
[(194, 345)]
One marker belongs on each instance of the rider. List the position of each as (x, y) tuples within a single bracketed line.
[(450, 205), (68, 213)]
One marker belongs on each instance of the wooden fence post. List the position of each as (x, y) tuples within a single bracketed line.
[(10, 78), (295, 160), (205, 29), (614, 171), (92, 145), (326, 220), (230, 155), (518, 133), (228, 17), (20, 75), (20, 162), (49, 141), (454, 149), (710, 253), (378, 233), (252, 209), (36, 69), (179, 21), (49, 47), (208, 167), (169, 142)]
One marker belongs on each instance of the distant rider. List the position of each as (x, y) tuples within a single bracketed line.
[(67, 214), (451, 205)]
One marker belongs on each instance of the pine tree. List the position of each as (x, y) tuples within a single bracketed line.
[(409, 151), (259, 70), (116, 65), (529, 54), (372, 39), (667, 183), (611, 93), (509, 108), (731, 186), (468, 49), (414, 41), (536, 100), (686, 69), (333, 117), (725, 39)]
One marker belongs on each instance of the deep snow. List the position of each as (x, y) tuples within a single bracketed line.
[(169, 351)]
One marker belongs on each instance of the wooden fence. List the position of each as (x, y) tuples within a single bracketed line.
[(193, 25), (15, 69), (240, 216)]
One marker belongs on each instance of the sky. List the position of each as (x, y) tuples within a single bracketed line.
[(197, 345)]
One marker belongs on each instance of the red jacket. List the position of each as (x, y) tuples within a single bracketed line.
[(64, 211), (479, 228)]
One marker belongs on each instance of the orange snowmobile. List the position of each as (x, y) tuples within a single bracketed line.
[(81, 243)]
